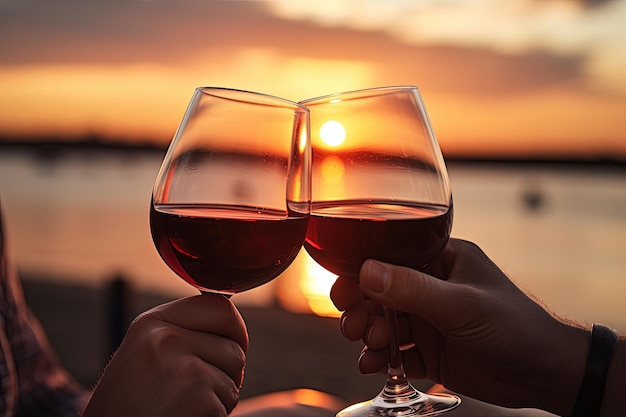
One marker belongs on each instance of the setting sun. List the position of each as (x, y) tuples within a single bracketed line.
[(333, 133)]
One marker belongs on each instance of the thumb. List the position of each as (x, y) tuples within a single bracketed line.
[(411, 291)]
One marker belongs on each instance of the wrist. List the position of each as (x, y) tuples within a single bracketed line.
[(590, 396), (614, 402), (563, 368)]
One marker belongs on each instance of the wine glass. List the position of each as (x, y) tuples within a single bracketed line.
[(231, 201), (380, 190)]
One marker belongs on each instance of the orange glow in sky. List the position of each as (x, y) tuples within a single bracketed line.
[(522, 76)]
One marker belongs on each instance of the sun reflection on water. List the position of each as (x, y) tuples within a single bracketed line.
[(305, 288), (315, 284)]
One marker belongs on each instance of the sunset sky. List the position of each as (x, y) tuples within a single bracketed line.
[(514, 77)]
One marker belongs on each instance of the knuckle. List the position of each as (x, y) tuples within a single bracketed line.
[(224, 392), (231, 398), (236, 362), (163, 338)]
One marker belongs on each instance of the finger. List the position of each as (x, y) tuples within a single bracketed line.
[(408, 329), (405, 328), (167, 340), (355, 321), (373, 361), (411, 291), (207, 313), (226, 390), (413, 363), (378, 332), (345, 293), (206, 387), (225, 354)]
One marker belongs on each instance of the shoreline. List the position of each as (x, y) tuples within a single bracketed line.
[(52, 147)]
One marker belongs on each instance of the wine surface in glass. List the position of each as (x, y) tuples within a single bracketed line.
[(226, 249), (343, 234)]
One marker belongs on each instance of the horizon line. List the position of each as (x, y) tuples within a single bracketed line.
[(50, 145)]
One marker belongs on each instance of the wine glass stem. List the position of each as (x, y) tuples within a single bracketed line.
[(397, 387)]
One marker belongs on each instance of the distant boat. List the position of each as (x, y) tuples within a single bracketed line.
[(534, 199)]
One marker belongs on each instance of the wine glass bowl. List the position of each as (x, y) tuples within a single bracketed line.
[(230, 204), (380, 190), (378, 161)]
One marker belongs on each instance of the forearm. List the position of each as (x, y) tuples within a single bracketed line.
[(614, 402)]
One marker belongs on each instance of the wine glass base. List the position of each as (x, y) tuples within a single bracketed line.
[(424, 405)]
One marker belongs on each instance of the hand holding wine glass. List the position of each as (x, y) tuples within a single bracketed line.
[(229, 212), (380, 190), (468, 325), (231, 202)]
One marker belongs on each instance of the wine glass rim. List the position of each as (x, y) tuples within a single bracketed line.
[(363, 93), (254, 97)]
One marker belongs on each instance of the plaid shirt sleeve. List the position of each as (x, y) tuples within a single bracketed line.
[(32, 382)]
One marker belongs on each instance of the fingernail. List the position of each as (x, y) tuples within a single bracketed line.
[(368, 334), (342, 324), (377, 277)]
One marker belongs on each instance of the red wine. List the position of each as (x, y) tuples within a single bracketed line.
[(342, 235), (226, 250)]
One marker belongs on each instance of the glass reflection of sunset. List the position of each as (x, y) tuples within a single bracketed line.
[(333, 134), (332, 169)]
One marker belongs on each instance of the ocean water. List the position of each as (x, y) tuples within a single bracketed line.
[(559, 233)]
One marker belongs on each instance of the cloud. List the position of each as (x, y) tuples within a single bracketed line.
[(507, 26), (128, 67), (208, 33), (112, 32), (514, 27)]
